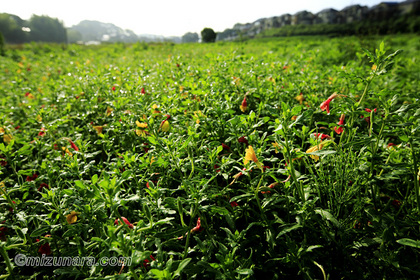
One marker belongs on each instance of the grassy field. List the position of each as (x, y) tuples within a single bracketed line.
[(287, 158)]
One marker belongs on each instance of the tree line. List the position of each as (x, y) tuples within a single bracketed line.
[(14, 30), (207, 36), (36, 29)]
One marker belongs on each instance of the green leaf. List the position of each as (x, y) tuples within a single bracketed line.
[(358, 144), (322, 152), (287, 229), (402, 124), (152, 140), (180, 211), (68, 192), (146, 211), (219, 210), (79, 184), (164, 221), (284, 106), (186, 142), (296, 110), (40, 231), (403, 138), (239, 197), (126, 174), (311, 248), (181, 266), (403, 108), (393, 55), (94, 179), (219, 149), (71, 273), (381, 50), (97, 239), (25, 172), (69, 233), (24, 150), (327, 216), (409, 242), (369, 54), (104, 184), (245, 271), (161, 274), (21, 233)]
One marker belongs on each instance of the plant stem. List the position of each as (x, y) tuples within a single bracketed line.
[(386, 162), (189, 231), (416, 180), (365, 91), (192, 163), (374, 150), (290, 162), (257, 198), (6, 260), (256, 84), (133, 273), (357, 104)]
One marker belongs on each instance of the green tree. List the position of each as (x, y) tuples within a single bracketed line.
[(190, 38), (2, 51), (46, 29), (208, 35), (74, 36), (11, 27)]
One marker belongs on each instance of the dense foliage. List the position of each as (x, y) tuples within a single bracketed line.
[(208, 35), (2, 45), (294, 158), (190, 37), (36, 29)]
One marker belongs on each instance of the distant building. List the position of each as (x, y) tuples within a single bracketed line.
[(329, 16), (350, 14), (303, 17), (409, 7), (383, 11), (258, 26), (285, 19), (227, 35), (271, 23), (242, 27), (354, 13)]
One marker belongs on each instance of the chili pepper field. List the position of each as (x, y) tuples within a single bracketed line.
[(284, 158)]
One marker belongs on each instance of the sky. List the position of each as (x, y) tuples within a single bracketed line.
[(169, 17)]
